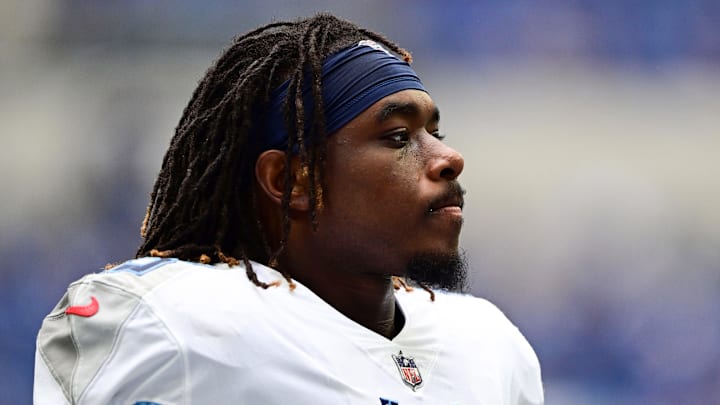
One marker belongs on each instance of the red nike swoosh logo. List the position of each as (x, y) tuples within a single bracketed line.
[(84, 310)]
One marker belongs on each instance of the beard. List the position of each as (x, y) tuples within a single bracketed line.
[(440, 271)]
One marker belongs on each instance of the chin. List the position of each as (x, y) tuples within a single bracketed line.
[(440, 270)]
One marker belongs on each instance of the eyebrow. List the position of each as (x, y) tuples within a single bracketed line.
[(407, 109)]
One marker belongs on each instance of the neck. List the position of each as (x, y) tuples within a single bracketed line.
[(367, 299)]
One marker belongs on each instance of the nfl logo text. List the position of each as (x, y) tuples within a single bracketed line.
[(409, 372)]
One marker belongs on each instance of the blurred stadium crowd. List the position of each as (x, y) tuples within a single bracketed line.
[(590, 131)]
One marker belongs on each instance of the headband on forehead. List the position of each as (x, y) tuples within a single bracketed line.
[(352, 80)]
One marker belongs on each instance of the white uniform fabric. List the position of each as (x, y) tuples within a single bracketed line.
[(173, 332)]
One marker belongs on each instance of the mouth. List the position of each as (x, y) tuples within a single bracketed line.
[(450, 202)]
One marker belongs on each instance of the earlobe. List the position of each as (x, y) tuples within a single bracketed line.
[(270, 174)]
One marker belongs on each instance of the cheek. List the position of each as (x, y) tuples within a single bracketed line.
[(393, 180), (378, 179), (394, 195)]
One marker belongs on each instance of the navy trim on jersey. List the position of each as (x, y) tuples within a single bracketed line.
[(142, 265)]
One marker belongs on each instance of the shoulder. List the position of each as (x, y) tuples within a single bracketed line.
[(475, 313), (127, 312), (160, 284), (135, 277), (479, 317), (115, 294), (458, 310), (85, 329), (466, 303), (480, 330)]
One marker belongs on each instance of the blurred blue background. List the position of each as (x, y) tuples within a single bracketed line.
[(591, 132)]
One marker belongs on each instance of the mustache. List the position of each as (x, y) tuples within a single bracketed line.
[(454, 193)]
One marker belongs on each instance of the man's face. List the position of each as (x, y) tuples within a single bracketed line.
[(392, 194)]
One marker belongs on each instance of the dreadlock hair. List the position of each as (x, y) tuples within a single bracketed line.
[(202, 207)]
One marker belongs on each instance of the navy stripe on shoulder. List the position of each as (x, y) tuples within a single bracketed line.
[(142, 265)]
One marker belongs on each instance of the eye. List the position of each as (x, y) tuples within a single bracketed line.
[(438, 135), (398, 138)]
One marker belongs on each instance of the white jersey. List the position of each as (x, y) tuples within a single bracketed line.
[(165, 331)]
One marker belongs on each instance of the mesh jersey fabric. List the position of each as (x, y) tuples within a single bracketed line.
[(173, 332)]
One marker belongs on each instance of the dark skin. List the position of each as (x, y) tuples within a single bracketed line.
[(385, 201)]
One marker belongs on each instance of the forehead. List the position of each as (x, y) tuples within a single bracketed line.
[(414, 105)]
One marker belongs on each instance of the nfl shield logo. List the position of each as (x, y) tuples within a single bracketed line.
[(408, 370)]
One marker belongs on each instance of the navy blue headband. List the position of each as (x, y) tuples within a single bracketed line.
[(352, 80)]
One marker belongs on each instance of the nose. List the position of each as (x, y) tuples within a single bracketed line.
[(446, 163)]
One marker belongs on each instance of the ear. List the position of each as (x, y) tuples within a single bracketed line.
[(270, 175)]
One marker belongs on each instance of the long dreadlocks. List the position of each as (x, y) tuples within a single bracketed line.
[(202, 206)]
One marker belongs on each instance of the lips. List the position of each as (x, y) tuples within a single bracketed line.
[(454, 205), (451, 201)]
